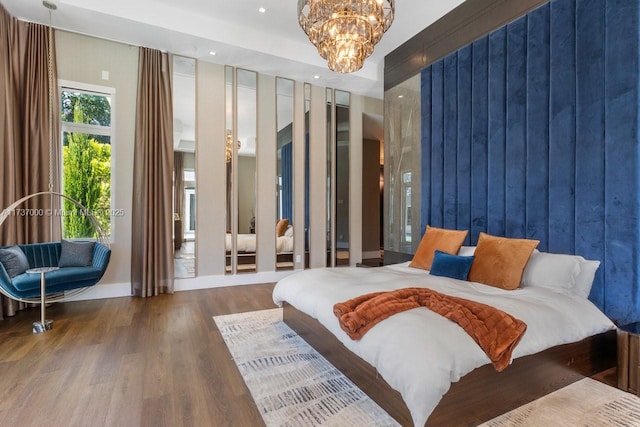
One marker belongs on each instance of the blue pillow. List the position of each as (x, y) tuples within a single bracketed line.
[(76, 254), (454, 266), (14, 260)]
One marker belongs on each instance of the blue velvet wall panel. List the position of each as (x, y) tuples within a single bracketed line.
[(463, 133), (590, 166), (450, 149), (436, 174), (621, 157), (537, 128), (425, 156), (479, 135), (532, 131), (515, 149), (562, 137), (496, 104)]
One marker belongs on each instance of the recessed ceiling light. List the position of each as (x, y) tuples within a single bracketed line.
[(316, 76), (400, 96), (262, 10), (212, 53)]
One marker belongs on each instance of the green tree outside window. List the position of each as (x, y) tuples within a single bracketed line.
[(86, 165)]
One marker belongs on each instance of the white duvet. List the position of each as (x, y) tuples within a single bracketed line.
[(247, 243), (420, 353)]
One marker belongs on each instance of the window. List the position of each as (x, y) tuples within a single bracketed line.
[(406, 206), (87, 136)]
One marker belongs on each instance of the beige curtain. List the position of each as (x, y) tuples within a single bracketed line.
[(178, 197), (152, 213), (28, 136)]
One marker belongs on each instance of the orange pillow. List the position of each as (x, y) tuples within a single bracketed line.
[(281, 227), (500, 261), (441, 239)]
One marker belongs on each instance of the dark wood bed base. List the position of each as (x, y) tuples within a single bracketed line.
[(480, 395)]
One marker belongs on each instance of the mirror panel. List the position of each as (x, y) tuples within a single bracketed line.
[(247, 123), (342, 148), (402, 230), (230, 161), (184, 176), (307, 109), (284, 171), (330, 178)]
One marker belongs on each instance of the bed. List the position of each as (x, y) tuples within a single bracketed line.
[(246, 247), (247, 244), (396, 365)]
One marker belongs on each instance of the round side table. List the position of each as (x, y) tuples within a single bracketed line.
[(43, 325)]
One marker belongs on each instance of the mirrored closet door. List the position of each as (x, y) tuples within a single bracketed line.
[(342, 149), (284, 174), (184, 176), (307, 109), (241, 160), (338, 149)]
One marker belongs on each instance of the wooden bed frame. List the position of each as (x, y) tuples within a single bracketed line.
[(479, 396)]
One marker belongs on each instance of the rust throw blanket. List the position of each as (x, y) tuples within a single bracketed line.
[(495, 331)]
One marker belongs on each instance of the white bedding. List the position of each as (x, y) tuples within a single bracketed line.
[(247, 243), (420, 353)]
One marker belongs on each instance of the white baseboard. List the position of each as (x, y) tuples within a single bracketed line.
[(108, 290), (206, 282), (115, 290)]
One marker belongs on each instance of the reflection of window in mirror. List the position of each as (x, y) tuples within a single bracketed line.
[(406, 207), (284, 169), (402, 232), (184, 177)]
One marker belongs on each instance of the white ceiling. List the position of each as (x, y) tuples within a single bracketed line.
[(270, 43)]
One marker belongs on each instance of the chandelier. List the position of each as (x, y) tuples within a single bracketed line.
[(228, 148), (345, 31)]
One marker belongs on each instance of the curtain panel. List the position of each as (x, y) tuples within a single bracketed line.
[(152, 213), (29, 131)]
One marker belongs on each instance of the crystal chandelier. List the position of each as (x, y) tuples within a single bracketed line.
[(345, 31)]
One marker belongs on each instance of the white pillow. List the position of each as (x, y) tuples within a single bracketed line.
[(584, 280), (467, 251), (289, 231), (557, 272)]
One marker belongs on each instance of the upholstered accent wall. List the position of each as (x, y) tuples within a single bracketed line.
[(532, 131)]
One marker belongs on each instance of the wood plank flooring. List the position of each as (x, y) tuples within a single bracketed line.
[(128, 362)]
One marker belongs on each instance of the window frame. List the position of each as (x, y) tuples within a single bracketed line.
[(110, 131)]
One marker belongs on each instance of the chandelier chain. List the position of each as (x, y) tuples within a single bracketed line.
[(51, 96)]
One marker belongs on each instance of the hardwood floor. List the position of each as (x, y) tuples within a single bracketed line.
[(128, 362)]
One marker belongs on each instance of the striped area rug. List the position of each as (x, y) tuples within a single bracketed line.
[(586, 403), (291, 383)]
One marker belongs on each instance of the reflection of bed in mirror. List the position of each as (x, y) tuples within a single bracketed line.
[(246, 247)]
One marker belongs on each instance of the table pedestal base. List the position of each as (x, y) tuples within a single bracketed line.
[(43, 326)]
